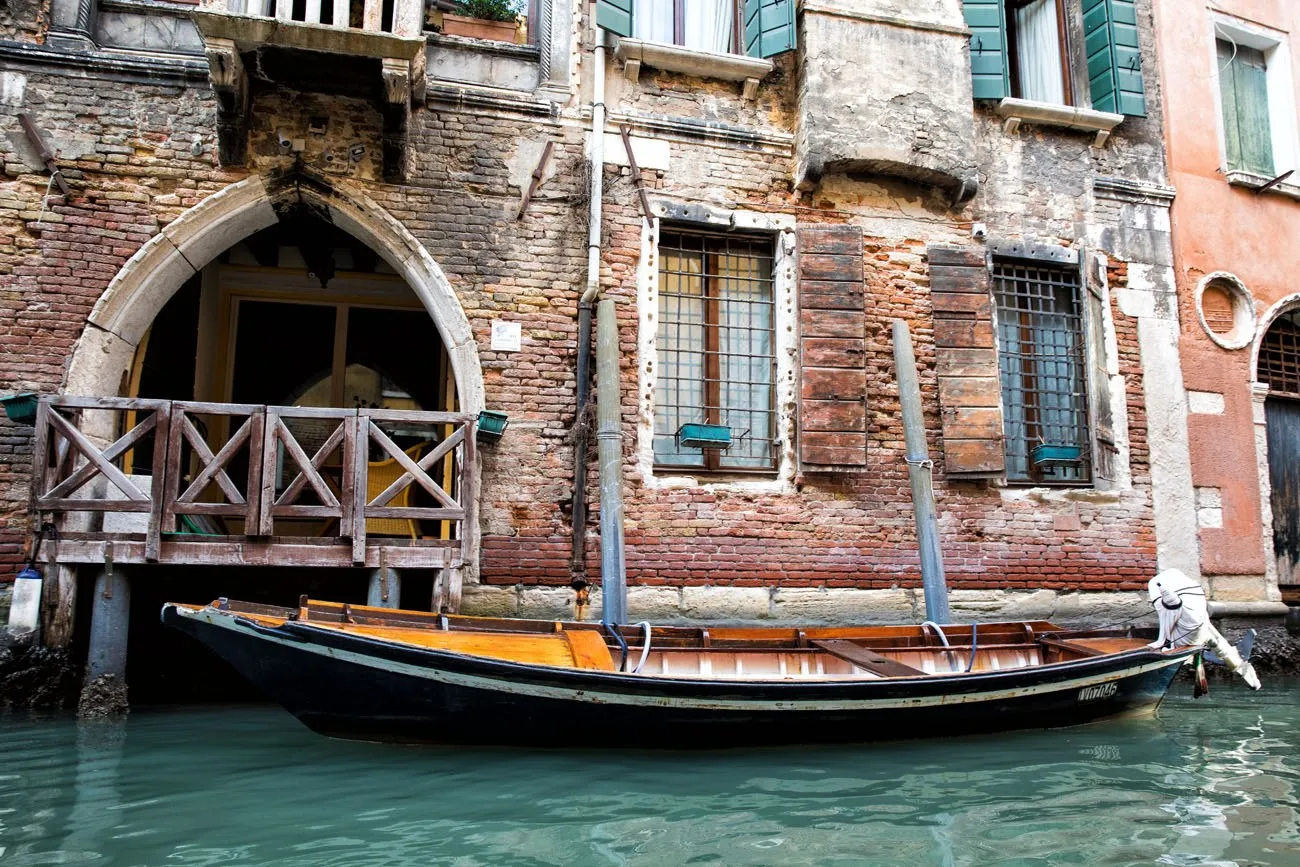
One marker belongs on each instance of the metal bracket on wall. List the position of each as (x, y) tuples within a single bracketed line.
[(636, 174), (537, 177), (1275, 181), (34, 138)]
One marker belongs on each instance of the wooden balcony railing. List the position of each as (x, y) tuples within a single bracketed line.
[(180, 482)]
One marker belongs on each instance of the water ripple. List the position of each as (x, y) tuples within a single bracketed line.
[(1207, 783)]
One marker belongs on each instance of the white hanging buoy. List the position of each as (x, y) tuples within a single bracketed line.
[(25, 608), (1184, 616)]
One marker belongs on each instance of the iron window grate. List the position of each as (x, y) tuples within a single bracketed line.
[(715, 349), (1279, 355), (1042, 366)]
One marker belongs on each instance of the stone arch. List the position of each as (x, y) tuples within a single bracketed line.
[(148, 280), (1278, 308)]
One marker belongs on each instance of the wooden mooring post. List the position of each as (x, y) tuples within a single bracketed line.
[(920, 470)]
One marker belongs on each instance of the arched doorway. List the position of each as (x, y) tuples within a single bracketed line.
[(1278, 367), (274, 307), (103, 357)]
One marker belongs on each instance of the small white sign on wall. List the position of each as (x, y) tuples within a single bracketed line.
[(507, 336)]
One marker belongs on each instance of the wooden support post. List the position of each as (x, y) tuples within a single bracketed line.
[(441, 580), (385, 588), (385, 585), (919, 470), (110, 621)]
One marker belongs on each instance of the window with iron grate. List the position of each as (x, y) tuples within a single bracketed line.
[(715, 350), (1042, 360), (1279, 355)]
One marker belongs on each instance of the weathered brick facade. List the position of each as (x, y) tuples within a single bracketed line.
[(139, 148)]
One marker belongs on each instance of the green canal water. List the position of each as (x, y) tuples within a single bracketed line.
[(1206, 782)]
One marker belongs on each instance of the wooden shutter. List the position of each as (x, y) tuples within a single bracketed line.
[(1101, 416), (1243, 84), (615, 16), (1114, 56), (970, 392), (988, 48), (832, 350), (769, 27)]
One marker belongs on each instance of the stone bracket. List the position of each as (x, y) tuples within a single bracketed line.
[(230, 84), (398, 93)]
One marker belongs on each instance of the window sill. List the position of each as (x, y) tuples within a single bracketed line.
[(1018, 111), (688, 61), (1252, 181)]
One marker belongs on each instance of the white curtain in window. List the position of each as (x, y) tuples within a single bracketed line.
[(708, 25), (1039, 42), (653, 20)]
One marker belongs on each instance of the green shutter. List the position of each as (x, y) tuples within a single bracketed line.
[(615, 16), (769, 27), (988, 52), (1243, 85), (1114, 56)]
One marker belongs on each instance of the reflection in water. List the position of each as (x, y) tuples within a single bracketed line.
[(1210, 782)]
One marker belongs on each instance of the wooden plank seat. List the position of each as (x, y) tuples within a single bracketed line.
[(865, 658)]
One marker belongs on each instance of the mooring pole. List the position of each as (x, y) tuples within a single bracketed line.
[(609, 445), (920, 471)]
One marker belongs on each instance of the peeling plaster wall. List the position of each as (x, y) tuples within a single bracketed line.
[(905, 113)]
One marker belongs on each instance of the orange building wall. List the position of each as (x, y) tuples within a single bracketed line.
[(1218, 227)]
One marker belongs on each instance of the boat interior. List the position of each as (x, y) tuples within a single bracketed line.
[(714, 653)]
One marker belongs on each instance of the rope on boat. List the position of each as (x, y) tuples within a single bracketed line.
[(974, 645), (952, 660), (645, 646)]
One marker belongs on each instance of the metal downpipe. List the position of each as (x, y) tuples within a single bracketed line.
[(582, 420)]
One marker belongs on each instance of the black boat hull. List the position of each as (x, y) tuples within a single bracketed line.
[(350, 686)]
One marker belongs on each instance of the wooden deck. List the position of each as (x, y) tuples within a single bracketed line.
[(129, 480)]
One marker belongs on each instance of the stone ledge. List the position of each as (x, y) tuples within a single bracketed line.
[(483, 46), (1252, 181), (1248, 609), (148, 67), (1018, 111), (249, 31), (714, 132), (459, 95), (689, 61), (813, 605), (1129, 190)]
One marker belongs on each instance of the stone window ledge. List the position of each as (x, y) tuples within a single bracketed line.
[(1252, 181), (704, 64), (1018, 111)]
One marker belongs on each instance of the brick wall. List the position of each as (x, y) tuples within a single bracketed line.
[(129, 153)]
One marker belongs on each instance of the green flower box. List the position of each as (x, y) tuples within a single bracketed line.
[(20, 408), (1053, 455), (704, 436), (491, 425)]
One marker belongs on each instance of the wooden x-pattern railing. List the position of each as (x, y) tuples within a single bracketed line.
[(415, 472), (65, 459), (341, 443), (240, 500), (189, 477)]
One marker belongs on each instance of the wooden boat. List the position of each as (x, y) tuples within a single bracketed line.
[(380, 674)]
